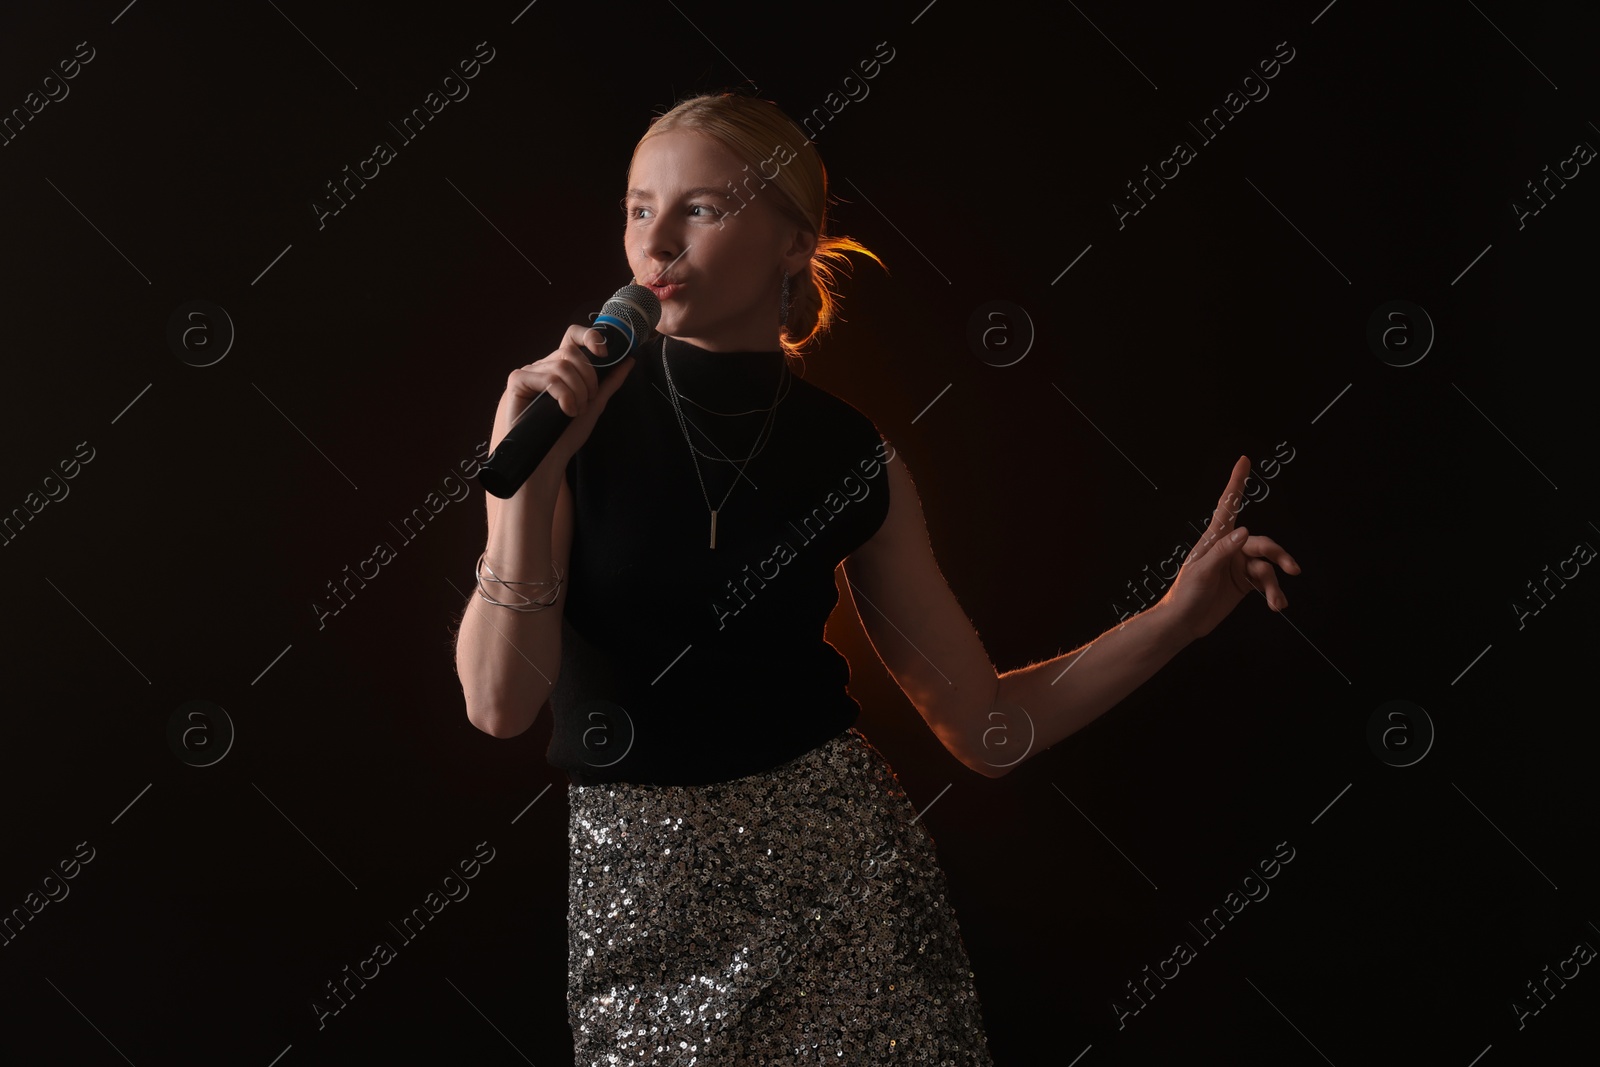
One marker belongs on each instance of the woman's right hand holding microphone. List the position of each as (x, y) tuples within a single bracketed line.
[(570, 378)]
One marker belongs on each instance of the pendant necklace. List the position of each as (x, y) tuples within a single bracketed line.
[(761, 439)]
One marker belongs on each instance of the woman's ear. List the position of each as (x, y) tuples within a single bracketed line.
[(801, 249)]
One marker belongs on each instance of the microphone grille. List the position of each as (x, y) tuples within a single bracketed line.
[(635, 305)]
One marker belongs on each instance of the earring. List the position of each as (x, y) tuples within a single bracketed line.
[(783, 302)]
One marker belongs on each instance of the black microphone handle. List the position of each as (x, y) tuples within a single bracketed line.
[(530, 439)]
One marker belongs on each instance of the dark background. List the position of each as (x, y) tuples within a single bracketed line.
[(1229, 316)]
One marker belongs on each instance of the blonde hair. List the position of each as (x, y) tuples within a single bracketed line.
[(752, 130)]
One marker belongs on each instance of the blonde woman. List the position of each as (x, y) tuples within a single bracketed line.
[(748, 882)]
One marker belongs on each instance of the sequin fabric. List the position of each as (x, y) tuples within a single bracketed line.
[(798, 916)]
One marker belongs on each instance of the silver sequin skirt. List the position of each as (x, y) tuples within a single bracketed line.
[(797, 916)]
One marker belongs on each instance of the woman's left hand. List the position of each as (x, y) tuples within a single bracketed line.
[(1227, 564)]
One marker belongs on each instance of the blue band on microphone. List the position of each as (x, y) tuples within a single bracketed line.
[(622, 326)]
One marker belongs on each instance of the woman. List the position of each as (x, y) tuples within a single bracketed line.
[(748, 882)]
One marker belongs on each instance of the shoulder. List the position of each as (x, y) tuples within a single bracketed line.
[(850, 432), (850, 420), (855, 453)]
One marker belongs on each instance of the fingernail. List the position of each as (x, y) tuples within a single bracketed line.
[(1238, 535)]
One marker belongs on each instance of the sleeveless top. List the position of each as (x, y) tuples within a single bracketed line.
[(683, 664)]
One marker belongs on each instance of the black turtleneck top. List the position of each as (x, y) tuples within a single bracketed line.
[(687, 664)]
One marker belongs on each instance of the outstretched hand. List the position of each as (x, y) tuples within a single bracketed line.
[(1227, 564)]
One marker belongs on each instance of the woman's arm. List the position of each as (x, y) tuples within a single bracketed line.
[(992, 722), (918, 629), (1042, 703), (508, 660)]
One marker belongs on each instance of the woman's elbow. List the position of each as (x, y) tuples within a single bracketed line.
[(497, 723)]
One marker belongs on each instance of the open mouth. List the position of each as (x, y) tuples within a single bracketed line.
[(664, 292)]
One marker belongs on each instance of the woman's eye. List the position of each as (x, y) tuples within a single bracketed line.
[(706, 211)]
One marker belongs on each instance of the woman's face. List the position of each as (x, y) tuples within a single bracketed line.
[(716, 265)]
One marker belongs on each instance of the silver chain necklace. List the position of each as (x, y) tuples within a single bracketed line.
[(761, 437), (787, 383), (683, 424)]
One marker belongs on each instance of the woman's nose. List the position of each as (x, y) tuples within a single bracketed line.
[(661, 240), (658, 256)]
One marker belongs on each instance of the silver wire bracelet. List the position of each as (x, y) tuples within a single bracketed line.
[(528, 604)]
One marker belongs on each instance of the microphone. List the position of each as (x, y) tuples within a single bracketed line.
[(626, 320)]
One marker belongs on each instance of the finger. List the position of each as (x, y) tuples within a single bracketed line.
[(1208, 541), (1265, 582), (585, 345), (1262, 581), (1232, 500), (581, 383), (1264, 547), (1220, 548), (595, 341), (564, 393), (579, 375)]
